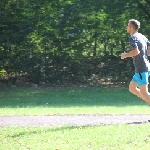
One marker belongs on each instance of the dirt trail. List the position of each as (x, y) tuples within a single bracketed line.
[(73, 120)]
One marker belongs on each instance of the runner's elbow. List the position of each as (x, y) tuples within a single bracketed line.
[(135, 52)]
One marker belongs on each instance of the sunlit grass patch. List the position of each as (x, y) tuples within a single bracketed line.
[(111, 137), (48, 101)]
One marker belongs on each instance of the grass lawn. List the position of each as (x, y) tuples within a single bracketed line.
[(111, 137), (48, 101)]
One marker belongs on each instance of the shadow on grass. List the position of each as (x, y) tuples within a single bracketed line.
[(40, 130), (52, 97)]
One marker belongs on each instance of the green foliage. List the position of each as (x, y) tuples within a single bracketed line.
[(38, 39), (2, 72)]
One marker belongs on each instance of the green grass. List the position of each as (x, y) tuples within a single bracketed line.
[(111, 137), (49, 101)]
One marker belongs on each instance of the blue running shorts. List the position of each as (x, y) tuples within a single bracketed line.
[(141, 78)]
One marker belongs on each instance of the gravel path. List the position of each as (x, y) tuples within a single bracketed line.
[(72, 120)]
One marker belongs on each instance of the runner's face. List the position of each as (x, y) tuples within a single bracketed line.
[(129, 28)]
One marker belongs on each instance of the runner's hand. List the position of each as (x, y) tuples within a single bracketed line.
[(123, 55)]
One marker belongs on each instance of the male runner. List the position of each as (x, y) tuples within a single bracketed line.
[(140, 50)]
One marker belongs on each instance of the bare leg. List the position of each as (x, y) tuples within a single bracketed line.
[(135, 90), (145, 93)]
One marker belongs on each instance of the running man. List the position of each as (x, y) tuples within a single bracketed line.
[(140, 50)]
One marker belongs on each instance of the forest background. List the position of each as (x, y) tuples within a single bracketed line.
[(57, 42)]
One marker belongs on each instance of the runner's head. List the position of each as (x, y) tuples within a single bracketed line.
[(133, 26)]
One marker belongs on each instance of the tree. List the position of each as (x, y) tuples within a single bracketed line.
[(51, 40)]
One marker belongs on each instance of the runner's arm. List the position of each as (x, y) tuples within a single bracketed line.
[(148, 48), (132, 53), (134, 49)]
